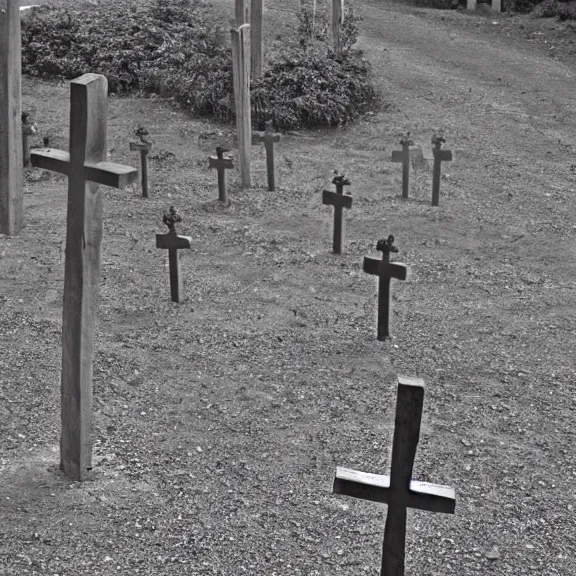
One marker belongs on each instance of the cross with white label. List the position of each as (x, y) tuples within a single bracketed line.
[(398, 490), (268, 137), (339, 200), (172, 242), (221, 164), (385, 270), (404, 158), (439, 156), (86, 168)]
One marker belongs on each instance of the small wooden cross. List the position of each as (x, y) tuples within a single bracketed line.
[(398, 490), (85, 167), (144, 147), (404, 157), (385, 270), (172, 242), (339, 200), (439, 156), (27, 131), (268, 137), (221, 164)]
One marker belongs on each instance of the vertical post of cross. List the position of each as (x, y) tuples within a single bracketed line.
[(404, 157), (241, 78), (470, 4), (144, 147), (269, 137), (336, 19), (497, 5), (11, 175), (241, 12), (439, 157), (256, 42), (86, 168), (27, 131)]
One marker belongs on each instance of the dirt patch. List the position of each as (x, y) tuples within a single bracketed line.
[(219, 422)]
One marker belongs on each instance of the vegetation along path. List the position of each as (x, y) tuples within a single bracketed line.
[(219, 422)]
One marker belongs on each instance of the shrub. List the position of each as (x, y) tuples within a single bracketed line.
[(174, 51)]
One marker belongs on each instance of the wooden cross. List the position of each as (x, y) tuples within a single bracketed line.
[(144, 147), (339, 201), (398, 490), (86, 168), (172, 242), (11, 173), (27, 131), (385, 270), (439, 156), (404, 158), (221, 164), (268, 137)]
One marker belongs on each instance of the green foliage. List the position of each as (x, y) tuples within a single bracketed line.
[(171, 49), (554, 8)]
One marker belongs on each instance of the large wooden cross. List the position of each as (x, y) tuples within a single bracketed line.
[(268, 137), (339, 200), (385, 270), (11, 161), (86, 168), (398, 490)]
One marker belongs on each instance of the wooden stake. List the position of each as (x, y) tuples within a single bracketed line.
[(339, 201), (11, 161), (144, 147), (336, 20), (241, 12), (439, 156), (27, 131), (404, 158), (256, 44), (172, 242), (241, 77), (221, 164), (398, 490), (385, 272), (86, 167), (268, 137)]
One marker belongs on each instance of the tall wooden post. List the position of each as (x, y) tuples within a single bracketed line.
[(336, 19), (86, 167), (11, 161), (241, 77), (241, 12), (256, 37)]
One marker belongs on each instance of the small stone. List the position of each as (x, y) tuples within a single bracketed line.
[(493, 554)]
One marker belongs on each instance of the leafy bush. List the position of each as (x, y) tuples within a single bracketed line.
[(172, 49)]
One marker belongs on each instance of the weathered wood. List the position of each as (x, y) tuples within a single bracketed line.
[(27, 131), (241, 78), (85, 167), (241, 12), (398, 490), (497, 5), (470, 4), (256, 42), (11, 161), (221, 164), (439, 156), (385, 270), (404, 158), (173, 242), (339, 201), (268, 137), (336, 19)]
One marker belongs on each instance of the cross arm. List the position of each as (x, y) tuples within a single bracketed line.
[(215, 162), (105, 173), (173, 241), (442, 154), (397, 270), (141, 146), (376, 488), (258, 137), (329, 197), (399, 155)]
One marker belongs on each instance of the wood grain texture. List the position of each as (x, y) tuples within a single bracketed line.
[(11, 157), (256, 41)]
